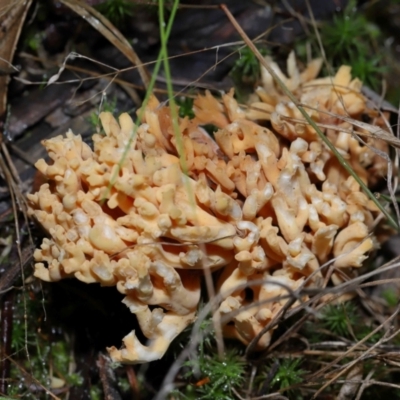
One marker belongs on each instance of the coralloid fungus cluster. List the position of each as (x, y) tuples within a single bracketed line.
[(264, 201)]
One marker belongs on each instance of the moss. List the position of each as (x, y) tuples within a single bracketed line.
[(217, 377), (390, 297), (185, 107), (246, 72), (339, 318), (39, 353), (350, 39), (289, 373), (116, 11), (105, 106)]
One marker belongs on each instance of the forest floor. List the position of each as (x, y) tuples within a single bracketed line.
[(53, 336)]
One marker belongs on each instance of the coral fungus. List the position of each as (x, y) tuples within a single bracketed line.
[(265, 202)]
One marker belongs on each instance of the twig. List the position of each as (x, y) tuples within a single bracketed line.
[(352, 383), (107, 379), (6, 323), (29, 376)]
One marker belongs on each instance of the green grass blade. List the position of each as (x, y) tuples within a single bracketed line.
[(147, 97)]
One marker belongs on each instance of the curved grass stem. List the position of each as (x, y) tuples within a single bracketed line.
[(149, 92)]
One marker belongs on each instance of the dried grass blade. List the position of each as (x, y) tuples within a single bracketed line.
[(371, 131)]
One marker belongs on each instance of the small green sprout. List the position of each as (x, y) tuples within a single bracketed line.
[(390, 297), (25, 312), (96, 393), (364, 331), (343, 34), (75, 379), (106, 106), (35, 40), (184, 393), (338, 317), (349, 39), (247, 68), (288, 374), (19, 335), (185, 107), (61, 360), (123, 384), (116, 11), (219, 375)]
